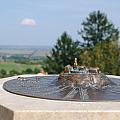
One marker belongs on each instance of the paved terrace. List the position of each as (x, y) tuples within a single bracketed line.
[(16, 107)]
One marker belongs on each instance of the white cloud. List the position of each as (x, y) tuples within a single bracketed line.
[(28, 22)]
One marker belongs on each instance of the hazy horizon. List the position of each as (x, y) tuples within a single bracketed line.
[(42, 47)]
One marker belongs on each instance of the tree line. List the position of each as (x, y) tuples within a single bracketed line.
[(99, 47), (4, 73)]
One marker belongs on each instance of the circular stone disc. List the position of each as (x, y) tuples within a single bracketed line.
[(49, 87)]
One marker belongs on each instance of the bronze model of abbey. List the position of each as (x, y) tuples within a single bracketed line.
[(81, 76)]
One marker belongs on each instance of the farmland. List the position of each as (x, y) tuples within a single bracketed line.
[(21, 60), (8, 66)]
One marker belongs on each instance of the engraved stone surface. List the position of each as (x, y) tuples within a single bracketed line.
[(49, 87), (18, 107)]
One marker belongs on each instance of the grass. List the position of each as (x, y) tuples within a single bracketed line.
[(16, 66)]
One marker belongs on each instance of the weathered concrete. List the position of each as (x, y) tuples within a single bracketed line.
[(15, 107)]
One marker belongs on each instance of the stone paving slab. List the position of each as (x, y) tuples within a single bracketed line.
[(16, 107)]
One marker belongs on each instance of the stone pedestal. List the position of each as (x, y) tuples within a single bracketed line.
[(16, 107)]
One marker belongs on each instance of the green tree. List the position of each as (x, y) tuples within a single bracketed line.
[(62, 54), (3, 73), (100, 46), (36, 70), (105, 55), (97, 28), (13, 72), (28, 71)]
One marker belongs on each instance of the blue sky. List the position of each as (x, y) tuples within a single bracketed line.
[(51, 18)]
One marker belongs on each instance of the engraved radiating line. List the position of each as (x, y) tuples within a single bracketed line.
[(71, 94), (83, 93), (80, 93), (50, 89), (86, 94), (56, 91)]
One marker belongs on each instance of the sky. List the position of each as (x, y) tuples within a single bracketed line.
[(41, 22)]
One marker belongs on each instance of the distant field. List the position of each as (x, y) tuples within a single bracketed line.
[(28, 51), (16, 66)]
